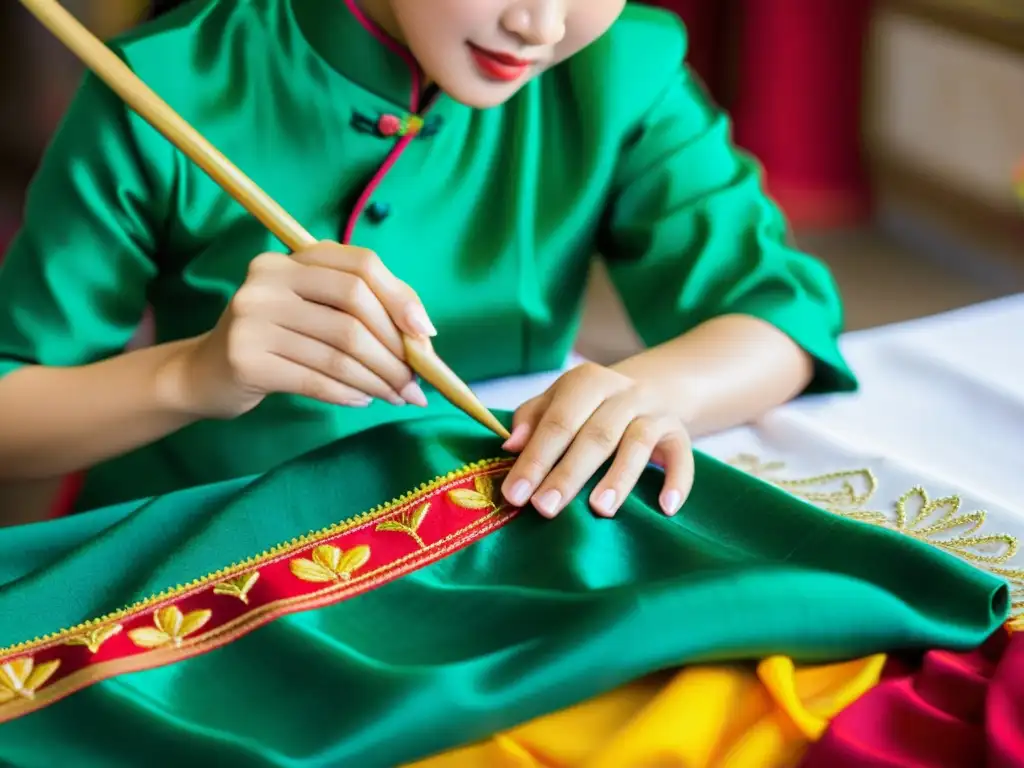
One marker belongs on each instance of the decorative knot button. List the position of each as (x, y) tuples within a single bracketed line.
[(377, 212), (392, 125)]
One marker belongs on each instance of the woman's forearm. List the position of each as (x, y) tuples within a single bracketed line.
[(727, 371), (61, 420)]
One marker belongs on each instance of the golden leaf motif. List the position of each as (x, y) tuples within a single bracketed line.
[(238, 587), (483, 495), (21, 678), (170, 627), (484, 485), (408, 523), (469, 499), (330, 563), (95, 638)]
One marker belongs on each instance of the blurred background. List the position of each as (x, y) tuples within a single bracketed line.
[(890, 131)]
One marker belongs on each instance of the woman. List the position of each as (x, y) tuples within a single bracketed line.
[(205, 618)]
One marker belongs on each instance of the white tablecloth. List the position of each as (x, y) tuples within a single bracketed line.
[(932, 444)]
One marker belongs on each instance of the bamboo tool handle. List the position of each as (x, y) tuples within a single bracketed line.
[(137, 95)]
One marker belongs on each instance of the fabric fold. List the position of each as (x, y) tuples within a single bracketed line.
[(735, 717), (944, 710), (422, 614)]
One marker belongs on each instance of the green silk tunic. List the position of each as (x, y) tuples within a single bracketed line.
[(492, 216)]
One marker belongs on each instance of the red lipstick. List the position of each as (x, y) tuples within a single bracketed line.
[(499, 66)]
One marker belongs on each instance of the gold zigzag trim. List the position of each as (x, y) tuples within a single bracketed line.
[(242, 566)]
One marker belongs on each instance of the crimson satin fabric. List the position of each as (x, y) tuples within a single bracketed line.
[(1004, 709), (951, 710)]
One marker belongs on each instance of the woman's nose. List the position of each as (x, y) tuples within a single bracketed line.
[(537, 22)]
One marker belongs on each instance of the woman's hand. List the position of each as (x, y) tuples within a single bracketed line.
[(589, 414), (325, 323)]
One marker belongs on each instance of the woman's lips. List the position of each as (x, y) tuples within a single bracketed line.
[(499, 66)]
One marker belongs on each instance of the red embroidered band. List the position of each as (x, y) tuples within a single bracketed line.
[(321, 569)]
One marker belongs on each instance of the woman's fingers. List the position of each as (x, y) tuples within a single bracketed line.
[(323, 360), (346, 334), (595, 442), (555, 429), (638, 442), (524, 420), (675, 455), (403, 307)]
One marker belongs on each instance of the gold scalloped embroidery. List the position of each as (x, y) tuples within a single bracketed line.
[(234, 570), (939, 522), (845, 493)]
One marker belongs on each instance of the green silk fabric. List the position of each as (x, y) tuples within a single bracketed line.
[(535, 617), (495, 216)]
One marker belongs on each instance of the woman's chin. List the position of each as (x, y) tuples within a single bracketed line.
[(480, 93)]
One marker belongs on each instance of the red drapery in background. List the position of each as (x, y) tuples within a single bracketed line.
[(705, 29), (795, 96)]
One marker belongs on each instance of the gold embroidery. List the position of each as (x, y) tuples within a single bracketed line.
[(845, 493), (937, 522), (940, 523), (408, 523), (300, 542), (485, 495), (21, 678), (95, 638), (1015, 578), (238, 587), (170, 627), (330, 563)]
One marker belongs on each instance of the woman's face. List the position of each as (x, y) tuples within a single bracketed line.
[(480, 52)]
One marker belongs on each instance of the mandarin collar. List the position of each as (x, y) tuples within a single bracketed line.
[(359, 50)]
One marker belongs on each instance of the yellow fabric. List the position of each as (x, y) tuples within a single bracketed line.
[(700, 717)]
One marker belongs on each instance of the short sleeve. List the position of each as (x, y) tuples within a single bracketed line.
[(73, 284), (690, 235)]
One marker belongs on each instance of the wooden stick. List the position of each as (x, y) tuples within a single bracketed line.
[(137, 95)]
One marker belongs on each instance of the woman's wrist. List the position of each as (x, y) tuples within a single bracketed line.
[(175, 387), (725, 372)]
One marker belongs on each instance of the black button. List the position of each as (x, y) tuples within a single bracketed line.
[(431, 126), (377, 212)]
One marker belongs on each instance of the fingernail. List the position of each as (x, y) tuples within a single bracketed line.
[(605, 503), (412, 393), (358, 402), (671, 501), (418, 320), (547, 503), (520, 493), (519, 432)]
